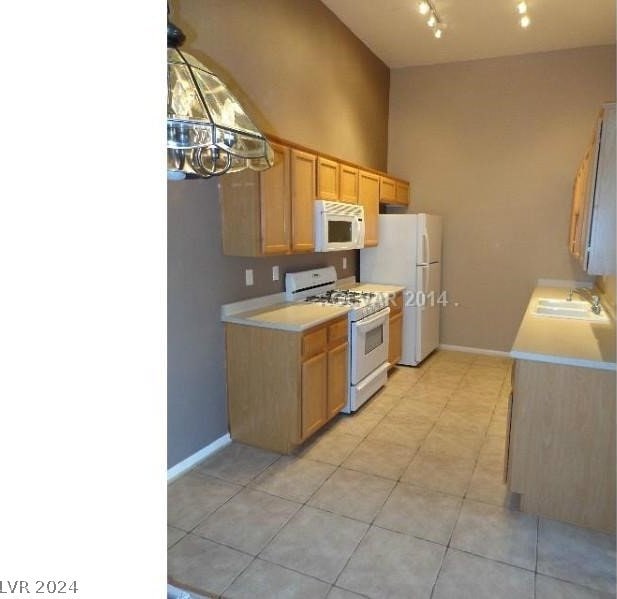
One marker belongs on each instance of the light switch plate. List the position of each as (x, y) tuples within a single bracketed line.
[(248, 276), (275, 273), (344, 262)]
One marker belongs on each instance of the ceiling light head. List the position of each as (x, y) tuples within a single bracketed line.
[(438, 32), (525, 21), (424, 7), (208, 131), (521, 7), (432, 20)]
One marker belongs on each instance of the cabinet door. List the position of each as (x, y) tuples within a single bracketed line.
[(303, 190), (327, 179), (600, 260), (314, 394), (349, 184), (387, 190), (575, 215), (337, 379), (402, 193), (368, 196), (275, 202), (582, 228), (395, 343)]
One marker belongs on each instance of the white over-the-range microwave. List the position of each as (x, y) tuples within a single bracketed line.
[(338, 226)]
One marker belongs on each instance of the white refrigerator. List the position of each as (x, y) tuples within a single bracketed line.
[(409, 254)]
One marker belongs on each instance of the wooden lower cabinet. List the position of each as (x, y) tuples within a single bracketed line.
[(283, 386), (314, 390), (561, 443), (337, 383), (395, 323)]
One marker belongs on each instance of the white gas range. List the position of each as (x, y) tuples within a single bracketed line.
[(368, 331)]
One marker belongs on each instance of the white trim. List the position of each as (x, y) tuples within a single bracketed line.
[(475, 350), (186, 464)]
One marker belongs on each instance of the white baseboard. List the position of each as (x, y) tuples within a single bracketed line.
[(186, 464), (475, 350)]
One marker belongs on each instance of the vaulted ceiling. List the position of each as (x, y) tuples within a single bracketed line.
[(396, 32)]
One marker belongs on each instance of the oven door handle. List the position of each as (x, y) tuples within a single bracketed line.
[(367, 323)]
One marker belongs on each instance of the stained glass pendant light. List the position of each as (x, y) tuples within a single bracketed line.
[(208, 132)]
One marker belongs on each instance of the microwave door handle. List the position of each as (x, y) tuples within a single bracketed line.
[(367, 323)]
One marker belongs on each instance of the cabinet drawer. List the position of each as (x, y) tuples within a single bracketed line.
[(337, 332), (314, 342)]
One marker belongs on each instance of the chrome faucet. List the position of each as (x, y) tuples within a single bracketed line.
[(585, 293)]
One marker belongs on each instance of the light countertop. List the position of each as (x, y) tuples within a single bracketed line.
[(274, 312), (562, 340), (289, 316), (378, 288)]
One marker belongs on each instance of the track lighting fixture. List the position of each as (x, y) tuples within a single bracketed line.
[(426, 7), (521, 8)]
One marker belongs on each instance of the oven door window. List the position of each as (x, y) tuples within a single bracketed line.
[(373, 339), (340, 231)]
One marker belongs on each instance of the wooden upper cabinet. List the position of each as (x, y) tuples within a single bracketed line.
[(303, 193), (577, 215), (271, 212), (275, 204), (348, 184), (387, 190), (328, 179), (402, 193), (393, 191), (240, 213), (368, 197), (592, 237)]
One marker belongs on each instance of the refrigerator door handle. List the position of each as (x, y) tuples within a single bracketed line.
[(424, 259), (419, 291)]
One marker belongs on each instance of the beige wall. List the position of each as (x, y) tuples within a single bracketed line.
[(300, 72), (493, 145)]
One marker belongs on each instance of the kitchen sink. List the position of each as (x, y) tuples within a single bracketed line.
[(562, 308)]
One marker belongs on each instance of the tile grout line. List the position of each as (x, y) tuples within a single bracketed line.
[(401, 397), (443, 558), (242, 486)]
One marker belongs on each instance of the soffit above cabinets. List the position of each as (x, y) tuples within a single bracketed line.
[(396, 32)]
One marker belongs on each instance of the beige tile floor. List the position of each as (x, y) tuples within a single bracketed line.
[(403, 499)]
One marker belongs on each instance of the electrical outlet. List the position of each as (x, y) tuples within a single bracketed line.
[(344, 262), (248, 276), (275, 273)]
